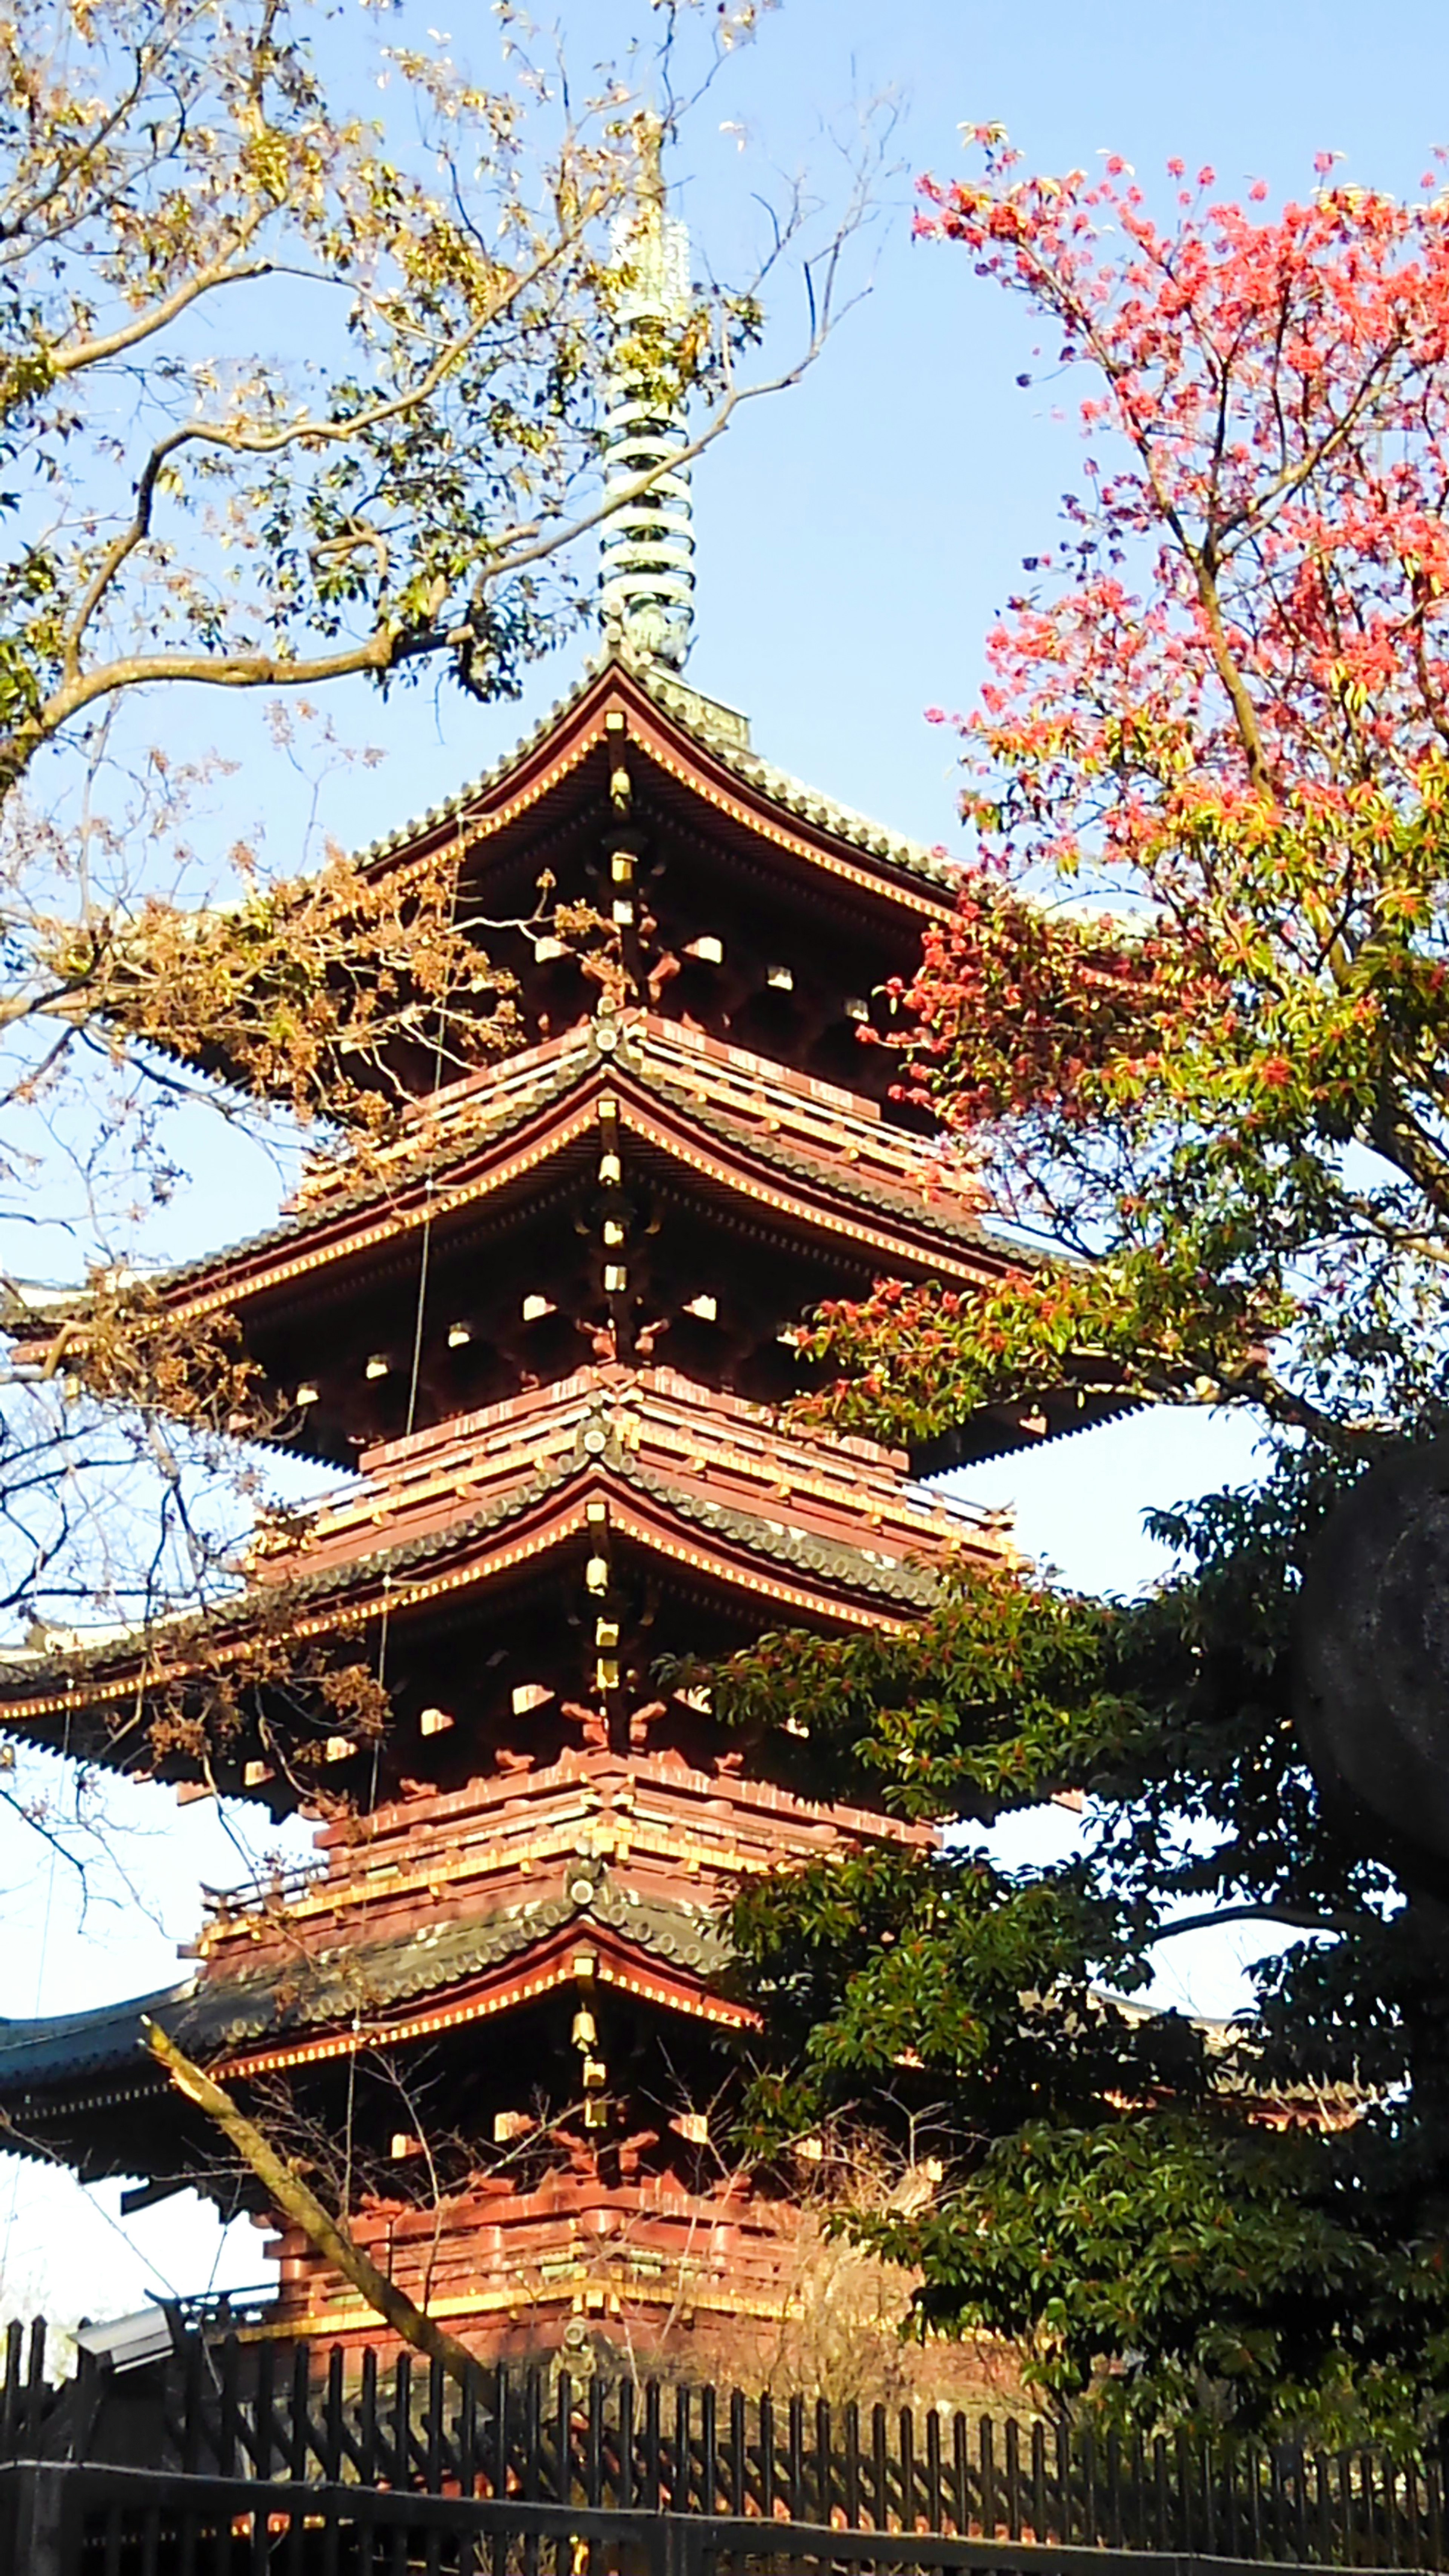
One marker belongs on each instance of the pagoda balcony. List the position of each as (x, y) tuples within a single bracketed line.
[(771, 1100), (684, 1835), (695, 1439)]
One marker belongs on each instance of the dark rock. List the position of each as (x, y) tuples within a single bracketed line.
[(1371, 1677)]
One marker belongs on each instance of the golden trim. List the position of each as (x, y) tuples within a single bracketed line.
[(643, 2289)]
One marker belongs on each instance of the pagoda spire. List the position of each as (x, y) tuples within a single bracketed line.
[(648, 539)]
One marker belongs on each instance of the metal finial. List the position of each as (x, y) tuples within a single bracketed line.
[(648, 542)]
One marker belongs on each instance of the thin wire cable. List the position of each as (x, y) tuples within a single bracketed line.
[(414, 1380)]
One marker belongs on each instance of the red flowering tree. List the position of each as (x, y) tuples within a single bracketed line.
[(1190, 1022), (1191, 1014)]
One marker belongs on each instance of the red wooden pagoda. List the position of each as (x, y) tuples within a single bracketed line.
[(548, 1337), (503, 1986)]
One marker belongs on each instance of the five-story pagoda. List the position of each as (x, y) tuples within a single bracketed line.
[(548, 1337)]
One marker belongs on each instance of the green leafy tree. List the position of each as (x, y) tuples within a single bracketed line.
[(287, 393), (1188, 1025)]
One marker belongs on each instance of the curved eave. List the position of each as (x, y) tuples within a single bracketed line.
[(36, 2055), (699, 750), (1029, 1422), (854, 855), (894, 1230), (889, 1229), (419, 1987), (801, 1573), (540, 1969)]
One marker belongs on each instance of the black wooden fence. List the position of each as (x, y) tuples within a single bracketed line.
[(236, 2411), (70, 2519)]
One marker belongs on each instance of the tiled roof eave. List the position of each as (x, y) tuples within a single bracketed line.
[(901, 1585), (840, 1181), (370, 1196), (902, 1582), (90, 2042), (679, 707), (413, 1198), (222, 2017)]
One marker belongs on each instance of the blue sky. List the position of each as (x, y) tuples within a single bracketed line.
[(856, 536)]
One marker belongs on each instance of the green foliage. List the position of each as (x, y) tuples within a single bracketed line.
[(1235, 2258), (288, 393), (1004, 1695), (1239, 2226)]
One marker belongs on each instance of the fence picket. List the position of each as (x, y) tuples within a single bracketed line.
[(850, 2463), (933, 2471), (681, 2479), (1064, 2486), (906, 2457), (561, 2476), (10, 2415), (1323, 2494), (739, 2460), (650, 2497), (628, 2482), (1187, 2519), (35, 2392), (594, 2444), (1298, 2469), (1112, 2488), (532, 2436), (258, 2423), (228, 2439), (881, 2467), (795, 2456), (498, 2472), (709, 2450), (1040, 2516), (961, 2474)]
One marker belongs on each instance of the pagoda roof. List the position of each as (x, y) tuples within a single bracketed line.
[(436, 1978), (791, 1121), (698, 742), (708, 1453), (786, 1140), (825, 1531), (812, 1157)]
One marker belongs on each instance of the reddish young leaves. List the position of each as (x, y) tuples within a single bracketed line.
[(1199, 954)]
